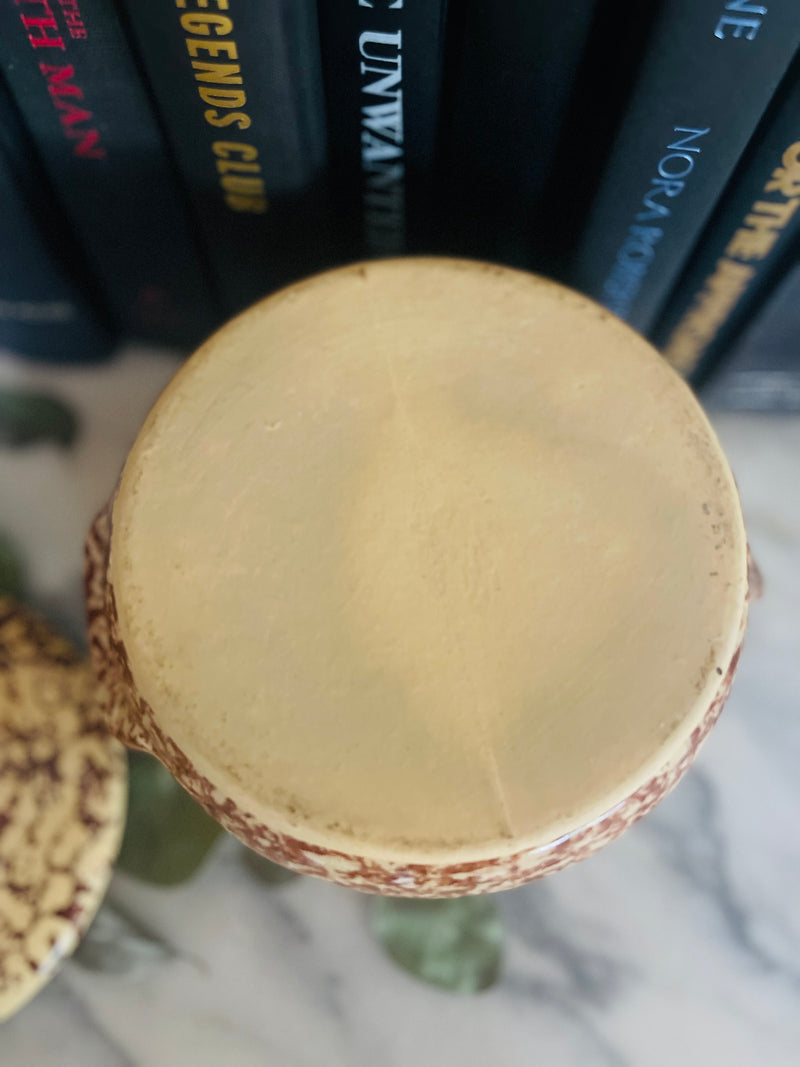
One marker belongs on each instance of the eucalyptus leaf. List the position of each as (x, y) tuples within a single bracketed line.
[(167, 833), (114, 944), (12, 581), (266, 871), (26, 418), (454, 944)]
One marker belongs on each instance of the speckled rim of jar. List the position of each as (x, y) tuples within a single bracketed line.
[(132, 720)]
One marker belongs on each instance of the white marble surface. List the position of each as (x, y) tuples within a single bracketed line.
[(680, 944)]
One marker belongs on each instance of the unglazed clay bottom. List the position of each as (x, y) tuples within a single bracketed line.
[(423, 575)]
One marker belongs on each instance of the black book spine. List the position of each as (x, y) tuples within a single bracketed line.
[(707, 76), (74, 79), (46, 311), (510, 73), (616, 45), (238, 86), (382, 68), (756, 222)]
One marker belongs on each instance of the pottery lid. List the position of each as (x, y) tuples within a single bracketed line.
[(427, 558)]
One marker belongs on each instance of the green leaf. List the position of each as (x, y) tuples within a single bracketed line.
[(115, 944), (167, 834), (12, 581), (453, 944), (26, 418), (266, 871)]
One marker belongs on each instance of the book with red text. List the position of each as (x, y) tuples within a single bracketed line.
[(238, 87), (708, 72), (47, 308), (70, 70)]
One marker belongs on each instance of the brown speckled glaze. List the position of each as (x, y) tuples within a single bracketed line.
[(63, 788), (133, 721)]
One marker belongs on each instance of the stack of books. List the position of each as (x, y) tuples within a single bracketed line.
[(164, 163)]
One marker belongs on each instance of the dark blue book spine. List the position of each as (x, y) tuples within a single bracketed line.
[(708, 73), (760, 371), (382, 66), (238, 87), (741, 252), (74, 79), (46, 308)]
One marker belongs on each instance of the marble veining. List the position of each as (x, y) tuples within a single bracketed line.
[(691, 840), (677, 944)]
